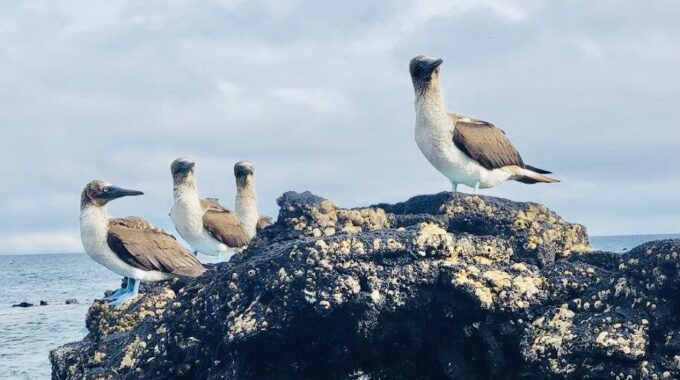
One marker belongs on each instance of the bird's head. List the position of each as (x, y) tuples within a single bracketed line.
[(424, 69), (243, 172), (99, 193), (182, 170)]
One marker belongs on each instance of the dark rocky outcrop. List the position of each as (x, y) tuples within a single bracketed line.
[(445, 286), (23, 304)]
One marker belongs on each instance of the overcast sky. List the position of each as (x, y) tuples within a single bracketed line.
[(317, 94)]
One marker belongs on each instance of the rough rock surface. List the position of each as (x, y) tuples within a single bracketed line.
[(444, 286)]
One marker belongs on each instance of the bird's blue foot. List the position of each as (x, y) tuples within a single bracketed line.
[(127, 295), (120, 291), (476, 188), (115, 294), (454, 186)]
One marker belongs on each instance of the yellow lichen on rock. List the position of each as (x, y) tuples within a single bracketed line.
[(99, 356), (394, 245), (501, 289), (327, 219), (431, 237), (469, 277), (527, 288), (107, 319), (492, 249), (550, 337), (245, 322), (543, 227), (521, 267), (130, 352), (451, 209), (499, 280), (369, 218), (629, 341), (325, 214)]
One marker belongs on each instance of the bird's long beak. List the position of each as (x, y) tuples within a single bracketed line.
[(434, 64), (185, 166), (242, 170), (118, 192)]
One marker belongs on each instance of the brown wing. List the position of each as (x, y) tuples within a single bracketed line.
[(485, 143), (263, 223), (223, 225), (140, 244), (212, 204)]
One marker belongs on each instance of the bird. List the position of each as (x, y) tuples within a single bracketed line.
[(466, 150), (206, 225), (131, 247), (245, 203)]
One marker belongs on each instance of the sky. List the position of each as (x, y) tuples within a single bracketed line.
[(318, 96)]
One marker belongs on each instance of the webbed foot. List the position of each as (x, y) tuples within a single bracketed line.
[(120, 291), (127, 295)]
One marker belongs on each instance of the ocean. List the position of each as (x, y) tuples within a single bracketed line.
[(28, 334)]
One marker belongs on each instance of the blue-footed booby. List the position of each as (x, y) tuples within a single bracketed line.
[(468, 151), (205, 224), (246, 199), (131, 246)]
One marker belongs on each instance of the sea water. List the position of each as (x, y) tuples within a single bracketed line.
[(28, 334)]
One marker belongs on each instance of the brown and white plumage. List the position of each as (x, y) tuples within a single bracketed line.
[(215, 205), (223, 225), (245, 202), (144, 246), (465, 150), (263, 222), (491, 148), (131, 246), (205, 224), (484, 143)]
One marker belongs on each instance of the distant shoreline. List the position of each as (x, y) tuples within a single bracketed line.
[(595, 237)]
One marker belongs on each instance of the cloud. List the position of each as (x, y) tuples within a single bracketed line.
[(317, 95), (322, 101), (58, 241)]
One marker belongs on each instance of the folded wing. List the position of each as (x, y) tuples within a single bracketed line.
[(484, 143), (144, 246), (263, 223), (223, 225)]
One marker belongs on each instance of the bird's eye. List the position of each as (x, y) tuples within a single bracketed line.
[(106, 189)]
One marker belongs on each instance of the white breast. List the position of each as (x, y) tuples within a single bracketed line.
[(246, 211), (94, 228), (187, 216), (434, 137)]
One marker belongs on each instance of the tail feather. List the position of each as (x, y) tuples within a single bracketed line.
[(531, 175), (537, 170)]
